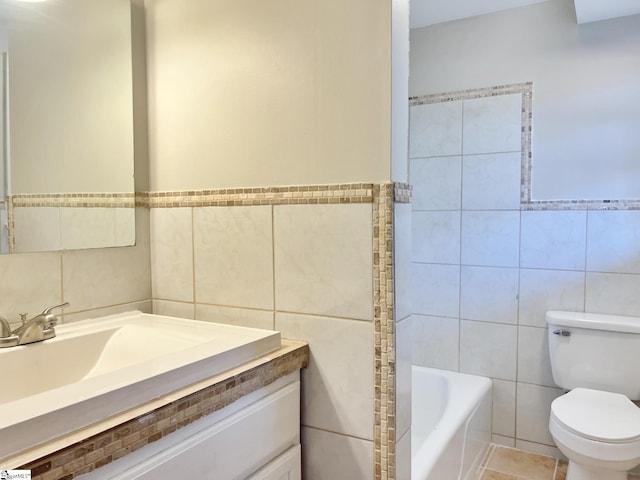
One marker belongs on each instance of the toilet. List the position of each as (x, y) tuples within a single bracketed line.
[(596, 425)]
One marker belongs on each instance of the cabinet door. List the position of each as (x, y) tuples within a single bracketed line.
[(285, 467), (229, 449)]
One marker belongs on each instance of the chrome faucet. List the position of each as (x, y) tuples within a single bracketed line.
[(40, 327)]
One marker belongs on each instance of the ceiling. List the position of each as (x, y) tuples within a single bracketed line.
[(429, 12)]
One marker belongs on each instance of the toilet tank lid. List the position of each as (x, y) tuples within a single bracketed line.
[(594, 321)]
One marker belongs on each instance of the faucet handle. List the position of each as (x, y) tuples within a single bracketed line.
[(47, 311), (49, 319)]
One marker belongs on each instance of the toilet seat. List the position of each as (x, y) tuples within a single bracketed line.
[(596, 415)]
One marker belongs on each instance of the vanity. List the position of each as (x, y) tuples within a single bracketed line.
[(137, 395)]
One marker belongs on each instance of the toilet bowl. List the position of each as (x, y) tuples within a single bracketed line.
[(595, 424), (598, 431)]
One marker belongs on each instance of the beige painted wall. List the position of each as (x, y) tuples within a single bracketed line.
[(71, 96), (251, 93)]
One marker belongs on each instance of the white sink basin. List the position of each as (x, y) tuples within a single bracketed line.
[(100, 367)]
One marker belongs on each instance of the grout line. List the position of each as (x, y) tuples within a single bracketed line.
[(487, 456), (193, 259), (273, 264), (60, 228), (586, 248), (257, 309), (515, 396), (460, 236), (61, 267), (309, 427)]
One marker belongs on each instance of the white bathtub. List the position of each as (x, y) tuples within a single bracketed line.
[(450, 424)]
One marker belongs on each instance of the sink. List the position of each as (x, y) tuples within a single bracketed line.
[(98, 368)]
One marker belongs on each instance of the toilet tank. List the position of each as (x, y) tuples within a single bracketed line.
[(595, 351)]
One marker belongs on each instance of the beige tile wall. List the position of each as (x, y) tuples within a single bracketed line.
[(304, 269)]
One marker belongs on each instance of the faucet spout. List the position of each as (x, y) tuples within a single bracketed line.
[(7, 338), (5, 328), (39, 327)]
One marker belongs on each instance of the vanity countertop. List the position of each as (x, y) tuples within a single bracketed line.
[(105, 441)]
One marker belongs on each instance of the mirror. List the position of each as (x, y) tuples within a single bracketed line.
[(66, 180)]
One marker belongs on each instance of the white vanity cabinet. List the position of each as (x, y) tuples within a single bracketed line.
[(257, 437)]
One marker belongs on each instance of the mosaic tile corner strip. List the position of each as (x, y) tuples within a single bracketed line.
[(384, 333), (402, 192), (106, 447)]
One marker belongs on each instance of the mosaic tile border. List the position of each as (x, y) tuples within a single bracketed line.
[(11, 227), (74, 200), (384, 330), (582, 205), (291, 195), (526, 203), (402, 192), (471, 93), (106, 447)]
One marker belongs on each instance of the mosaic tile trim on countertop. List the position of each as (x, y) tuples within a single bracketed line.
[(106, 447)]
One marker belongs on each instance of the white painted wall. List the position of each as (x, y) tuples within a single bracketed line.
[(586, 101)]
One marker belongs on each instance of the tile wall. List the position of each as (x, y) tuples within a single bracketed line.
[(304, 269), (484, 271), (70, 221), (403, 333), (72, 228), (95, 282), (315, 264)]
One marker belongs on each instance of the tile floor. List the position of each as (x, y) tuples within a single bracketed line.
[(503, 463)]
